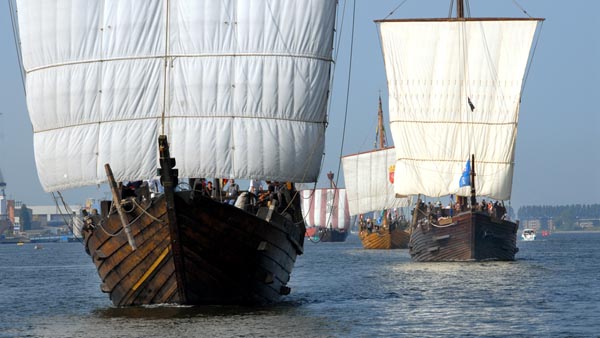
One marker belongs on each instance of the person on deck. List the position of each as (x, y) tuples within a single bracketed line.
[(256, 187), (208, 190), (232, 192)]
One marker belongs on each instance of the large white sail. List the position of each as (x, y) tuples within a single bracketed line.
[(454, 90), (326, 208), (244, 90), (369, 179)]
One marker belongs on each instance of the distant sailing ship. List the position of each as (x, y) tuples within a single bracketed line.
[(454, 89), (231, 89), (369, 179), (326, 213)]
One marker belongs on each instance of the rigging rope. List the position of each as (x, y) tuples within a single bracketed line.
[(345, 112), (521, 8), (13, 20), (393, 10), (68, 211)]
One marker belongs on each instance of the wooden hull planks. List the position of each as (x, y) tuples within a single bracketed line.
[(228, 256), (384, 239), (468, 237)]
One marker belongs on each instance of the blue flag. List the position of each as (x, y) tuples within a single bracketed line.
[(465, 178)]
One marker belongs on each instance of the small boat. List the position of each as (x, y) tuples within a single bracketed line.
[(38, 247), (369, 178), (455, 87), (20, 243), (528, 235), (326, 213)]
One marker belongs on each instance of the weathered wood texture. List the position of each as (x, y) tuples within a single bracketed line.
[(470, 237), (229, 256), (384, 239)]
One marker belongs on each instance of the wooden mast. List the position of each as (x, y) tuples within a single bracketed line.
[(330, 176), (380, 127), (460, 13)]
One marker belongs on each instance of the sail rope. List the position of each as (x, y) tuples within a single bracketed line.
[(537, 39), (13, 19), (337, 50), (521, 8), (67, 215), (353, 25), (347, 91), (393, 10)]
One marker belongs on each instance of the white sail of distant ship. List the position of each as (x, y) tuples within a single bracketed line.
[(455, 90), (454, 96), (369, 178), (368, 181)]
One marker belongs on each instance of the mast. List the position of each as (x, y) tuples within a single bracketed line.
[(460, 9), (331, 182), (473, 194), (380, 127)]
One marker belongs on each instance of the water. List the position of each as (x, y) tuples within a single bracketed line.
[(338, 290)]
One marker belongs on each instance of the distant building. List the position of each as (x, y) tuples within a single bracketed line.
[(539, 224)]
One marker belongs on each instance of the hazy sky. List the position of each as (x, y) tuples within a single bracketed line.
[(558, 144)]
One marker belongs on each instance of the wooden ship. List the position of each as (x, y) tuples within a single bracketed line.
[(326, 213), (185, 90), (454, 94), (369, 178)]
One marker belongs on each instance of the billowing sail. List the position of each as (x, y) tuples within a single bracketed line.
[(369, 179), (239, 85), (454, 90), (325, 208)]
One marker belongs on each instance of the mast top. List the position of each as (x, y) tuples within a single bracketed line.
[(460, 9)]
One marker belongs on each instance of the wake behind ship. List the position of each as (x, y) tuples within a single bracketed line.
[(191, 89)]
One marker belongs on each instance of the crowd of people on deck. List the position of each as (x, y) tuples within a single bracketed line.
[(387, 219), (436, 210), (275, 192)]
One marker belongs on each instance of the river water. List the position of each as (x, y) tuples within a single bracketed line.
[(338, 290)]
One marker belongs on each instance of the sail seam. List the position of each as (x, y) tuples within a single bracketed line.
[(452, 161), (161, 57), (174, 117), (456, 122)]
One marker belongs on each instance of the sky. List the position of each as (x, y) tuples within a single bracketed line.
[(558, 144)]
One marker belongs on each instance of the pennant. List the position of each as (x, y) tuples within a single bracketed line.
[(465, 178), (471, 104)]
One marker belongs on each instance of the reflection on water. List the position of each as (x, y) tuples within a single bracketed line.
[(338, 290)]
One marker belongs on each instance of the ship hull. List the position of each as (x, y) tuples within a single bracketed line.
[(327, 235), (224, 255), (466, 237), (384, 239)]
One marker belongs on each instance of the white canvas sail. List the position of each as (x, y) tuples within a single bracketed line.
[(244, 89), (325, 208), (369, 179), (434, 69)]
